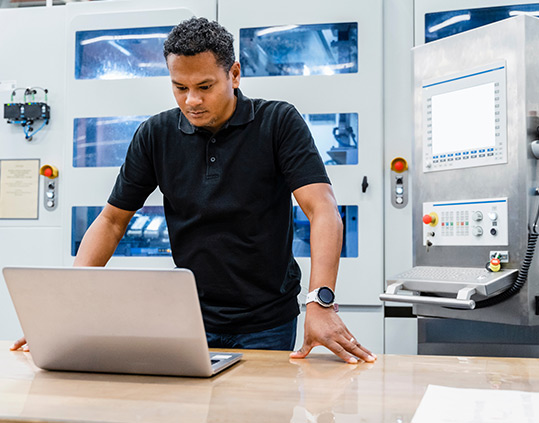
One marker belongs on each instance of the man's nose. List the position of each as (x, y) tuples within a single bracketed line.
[(193, 98)]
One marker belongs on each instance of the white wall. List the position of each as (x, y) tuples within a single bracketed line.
[(32, 58)]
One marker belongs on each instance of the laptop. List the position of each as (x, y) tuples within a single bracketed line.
[(95, 319)]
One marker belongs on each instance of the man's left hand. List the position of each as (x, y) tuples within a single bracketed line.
[(324, 327)]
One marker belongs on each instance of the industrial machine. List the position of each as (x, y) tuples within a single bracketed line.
[(102, 65), (476, 193)]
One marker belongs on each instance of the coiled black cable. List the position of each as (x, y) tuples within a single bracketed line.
[(521, 278)]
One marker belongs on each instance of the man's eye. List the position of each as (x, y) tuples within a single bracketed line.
[(205, 87), (181, 88)]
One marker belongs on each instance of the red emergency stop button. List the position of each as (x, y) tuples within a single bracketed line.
[(494, 265), (48, 171), (399, 165), (430, 219)]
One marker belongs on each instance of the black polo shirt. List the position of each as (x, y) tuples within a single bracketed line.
[(227, 201)]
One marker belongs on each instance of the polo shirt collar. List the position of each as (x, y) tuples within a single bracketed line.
[(243, 114)]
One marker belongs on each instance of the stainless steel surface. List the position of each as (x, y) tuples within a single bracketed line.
[(515, 41), (462, 281), (451, 280), (506, 40)]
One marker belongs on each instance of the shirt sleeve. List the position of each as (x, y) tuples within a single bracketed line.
[(136, 180), (298, 157)]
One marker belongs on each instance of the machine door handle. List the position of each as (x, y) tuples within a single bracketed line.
[(416, 299), (462, 301), (364, 184)]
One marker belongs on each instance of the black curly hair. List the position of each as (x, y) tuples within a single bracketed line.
[(197, 35)]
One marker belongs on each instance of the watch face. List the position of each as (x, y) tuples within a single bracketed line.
[(326, 295)]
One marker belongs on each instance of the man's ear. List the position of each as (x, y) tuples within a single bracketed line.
[(235, 74)]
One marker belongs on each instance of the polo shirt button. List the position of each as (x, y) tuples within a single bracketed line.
[(213, 140), (212, 159)]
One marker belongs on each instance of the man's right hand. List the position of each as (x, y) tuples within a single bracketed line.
[(18, 344)]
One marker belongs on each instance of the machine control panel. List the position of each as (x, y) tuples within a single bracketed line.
[(399, 182), (466, 223), (476, 100), (50, 181)]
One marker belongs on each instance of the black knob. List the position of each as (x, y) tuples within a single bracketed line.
[(364, 184)]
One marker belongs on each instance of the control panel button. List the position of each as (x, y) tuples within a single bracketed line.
[(477, 216), (493, 216), (494, 265), (477, 231), (50, 183), (49, 171), (430, 219), (399, 164)]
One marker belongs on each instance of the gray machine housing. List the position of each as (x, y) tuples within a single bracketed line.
[(515, 42)]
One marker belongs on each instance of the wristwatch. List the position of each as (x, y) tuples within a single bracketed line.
[(323, 296)]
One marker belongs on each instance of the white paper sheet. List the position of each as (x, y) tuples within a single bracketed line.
[(19, 189), (442, 404)]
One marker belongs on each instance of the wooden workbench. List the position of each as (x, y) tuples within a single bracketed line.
[(266, 386)]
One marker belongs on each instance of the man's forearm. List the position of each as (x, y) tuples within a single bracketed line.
[(326, 245), (102, 237)]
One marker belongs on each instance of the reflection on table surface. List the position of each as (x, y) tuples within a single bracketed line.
[(266, 386)]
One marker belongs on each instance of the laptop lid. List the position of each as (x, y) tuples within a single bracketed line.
[(95, 319)]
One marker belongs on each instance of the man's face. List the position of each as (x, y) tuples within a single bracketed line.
[(203, 89)]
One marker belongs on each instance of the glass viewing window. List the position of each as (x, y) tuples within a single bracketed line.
[(147, 233), (335, 136), (121, 53), (320, 49), (301, 246), (103, 141), (443, 24)]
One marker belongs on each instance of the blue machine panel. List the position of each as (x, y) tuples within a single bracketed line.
[(121, 53), (302, 232), (103, 141), (147, 233), (443, 24), (335, 136), (320, 49)]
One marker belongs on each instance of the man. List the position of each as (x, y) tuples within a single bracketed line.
[(226, 166)]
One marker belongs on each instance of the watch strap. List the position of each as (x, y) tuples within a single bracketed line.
[(312, 296)]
